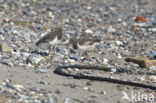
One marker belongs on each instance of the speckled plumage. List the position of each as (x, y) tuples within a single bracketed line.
[(55, 33), (84, 43)]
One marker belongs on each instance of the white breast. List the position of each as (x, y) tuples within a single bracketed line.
[(86, 47), (55, 41)]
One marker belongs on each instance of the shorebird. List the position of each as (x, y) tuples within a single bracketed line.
[(84, 44), (52, 38)]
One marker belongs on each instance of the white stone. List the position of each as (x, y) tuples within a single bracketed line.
[(89, 31), (152, 78), (119, 42), (85, 88), (152, 68), (17, 54), (111, 29), (152, 29), (105, 61), (142, 78), (5, 48), (140, 24)]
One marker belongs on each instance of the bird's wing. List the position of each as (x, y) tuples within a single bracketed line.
[(46, 38), (87, 41)]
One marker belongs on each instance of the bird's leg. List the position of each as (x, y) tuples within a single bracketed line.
[(49, 49), (54, 49), (87, 55)]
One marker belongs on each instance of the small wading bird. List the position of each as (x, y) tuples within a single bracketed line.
[(84, 44), (52, 38)]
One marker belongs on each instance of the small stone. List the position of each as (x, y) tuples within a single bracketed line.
[(119, 56), (95, 95), (137, 28), (57, 91), (34, 59), (105, 61), (86, 88), (142, 78), (113, 70), (10, 64), (67, 100), (43, 71), (103, 92), (152, 29), (89, 31), (140, 19), (154, 55), (119, 19), (111, 29), (7, 80), (119, 43), (152, 68), (71, 60), (5, 48), (74, 58), (152, 78), (42, 82), (50, 100), (17, 54)]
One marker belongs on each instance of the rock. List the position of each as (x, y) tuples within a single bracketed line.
[(152, 29), (113, 70), (42, 82), (89, 31), (142, 62), (154, 55), (105, 61), (152, 68), (57, 91), (5, 48), (103, 92), (74, 58), (86, 88), (140, 19), (43, 71), (17, 54), (142, 78), (111, 29), (119, 42), (67, 100), (33, 59), (152, 78)]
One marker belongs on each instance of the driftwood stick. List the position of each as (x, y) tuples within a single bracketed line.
[(144, 63)]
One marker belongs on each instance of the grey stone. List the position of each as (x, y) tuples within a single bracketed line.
[(5, 48)]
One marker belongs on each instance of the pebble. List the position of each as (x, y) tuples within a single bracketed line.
[(111, 29), (34, 59), (152, 29), (119, 43), (113, 70), (89, 31), (43, 82), (17, 54), (5, 48), (152, 68), (86, 88), (67, 100), (103, 92), (42, 71), (105, 61), (152, 78)]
